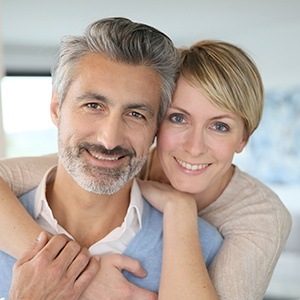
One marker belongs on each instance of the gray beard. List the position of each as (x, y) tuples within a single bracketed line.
[(100, 180)]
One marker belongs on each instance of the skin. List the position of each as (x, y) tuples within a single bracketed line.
[(100, 115), (115, 112), (192, 281), (112, 111), (71, 270), (198, 138), (111, 284), (60, 269), (196, 145)]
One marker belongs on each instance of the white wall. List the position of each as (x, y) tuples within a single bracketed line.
[(2, 140), (268, 29)]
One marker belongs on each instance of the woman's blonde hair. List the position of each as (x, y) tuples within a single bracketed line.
[(228, 77)]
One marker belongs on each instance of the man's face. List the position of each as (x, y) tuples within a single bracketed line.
[(107, 122)]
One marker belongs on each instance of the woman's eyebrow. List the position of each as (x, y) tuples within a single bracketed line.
[(221, 116), (225, 116), (180, 109)]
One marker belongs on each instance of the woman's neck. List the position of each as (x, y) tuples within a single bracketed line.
[(210, 195)]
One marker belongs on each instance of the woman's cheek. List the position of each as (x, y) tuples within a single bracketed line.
[(166, 139)]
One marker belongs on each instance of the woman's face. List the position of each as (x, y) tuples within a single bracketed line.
[(197, 142)]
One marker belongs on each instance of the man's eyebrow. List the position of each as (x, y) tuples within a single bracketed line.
[(92, 96)]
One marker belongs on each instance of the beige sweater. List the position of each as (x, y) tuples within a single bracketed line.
[(252, 219), (255, 226)]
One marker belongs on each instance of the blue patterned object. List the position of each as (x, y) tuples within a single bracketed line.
[(273, 152)]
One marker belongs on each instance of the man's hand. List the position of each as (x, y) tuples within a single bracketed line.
[(111, 284), (54, 269)]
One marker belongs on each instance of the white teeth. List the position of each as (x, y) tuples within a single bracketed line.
[(100, 157), (191, 167)]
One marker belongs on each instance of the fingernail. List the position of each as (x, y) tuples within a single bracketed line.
[(40, 236)]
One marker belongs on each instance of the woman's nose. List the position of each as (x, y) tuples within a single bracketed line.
[(195, 142)]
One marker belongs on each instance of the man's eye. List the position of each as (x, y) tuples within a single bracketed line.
[(221, 127), (175, 118), (137, 115), (93, 105)]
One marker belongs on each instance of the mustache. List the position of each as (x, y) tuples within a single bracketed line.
[(117, 151)]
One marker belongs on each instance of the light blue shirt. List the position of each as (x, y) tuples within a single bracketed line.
[(146, 247)]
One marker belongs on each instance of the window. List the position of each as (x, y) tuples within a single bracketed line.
[(28, 128)]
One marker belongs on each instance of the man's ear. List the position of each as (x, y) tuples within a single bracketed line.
[(55, 108)]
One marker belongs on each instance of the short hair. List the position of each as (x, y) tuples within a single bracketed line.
[(120, 40), (228, 78)]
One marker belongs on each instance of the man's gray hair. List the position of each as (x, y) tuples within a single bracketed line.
[(124, 41)]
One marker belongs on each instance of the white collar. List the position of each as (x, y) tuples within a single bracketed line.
[(116, 241)]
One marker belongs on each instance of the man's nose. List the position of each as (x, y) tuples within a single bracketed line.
[(111, 131)]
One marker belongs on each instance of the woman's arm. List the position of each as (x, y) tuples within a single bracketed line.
[(255, 226), (17, 228), (25, 173), (184, 274)]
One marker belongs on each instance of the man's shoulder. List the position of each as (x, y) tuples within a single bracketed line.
[(150, 213), (28, 201), (210, 238)]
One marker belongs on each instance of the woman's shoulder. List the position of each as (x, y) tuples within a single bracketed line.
[(244, 188), (246, 199)]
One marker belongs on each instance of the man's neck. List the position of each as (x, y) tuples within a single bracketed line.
[(88, 217)]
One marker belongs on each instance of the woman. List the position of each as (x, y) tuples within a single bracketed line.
[(216, 107)]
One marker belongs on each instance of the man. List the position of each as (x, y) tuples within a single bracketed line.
[(111, 88)]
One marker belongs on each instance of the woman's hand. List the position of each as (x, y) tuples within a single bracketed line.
[(162, 195), (184, 274)]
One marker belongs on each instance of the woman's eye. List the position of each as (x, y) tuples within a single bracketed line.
[(221, 127), (175, 118)]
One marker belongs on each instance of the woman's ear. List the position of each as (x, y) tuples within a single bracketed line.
[(55, 108), (242, 144)]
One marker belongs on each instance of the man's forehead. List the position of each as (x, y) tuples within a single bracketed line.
[(118, 78)]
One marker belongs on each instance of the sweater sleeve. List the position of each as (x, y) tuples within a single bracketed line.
[(24, 173), (255, 226)]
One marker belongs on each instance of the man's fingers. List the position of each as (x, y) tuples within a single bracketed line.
[(79, 263), (87, 276), (67, 254), (129, 264), (33, 249), (54, 246)]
